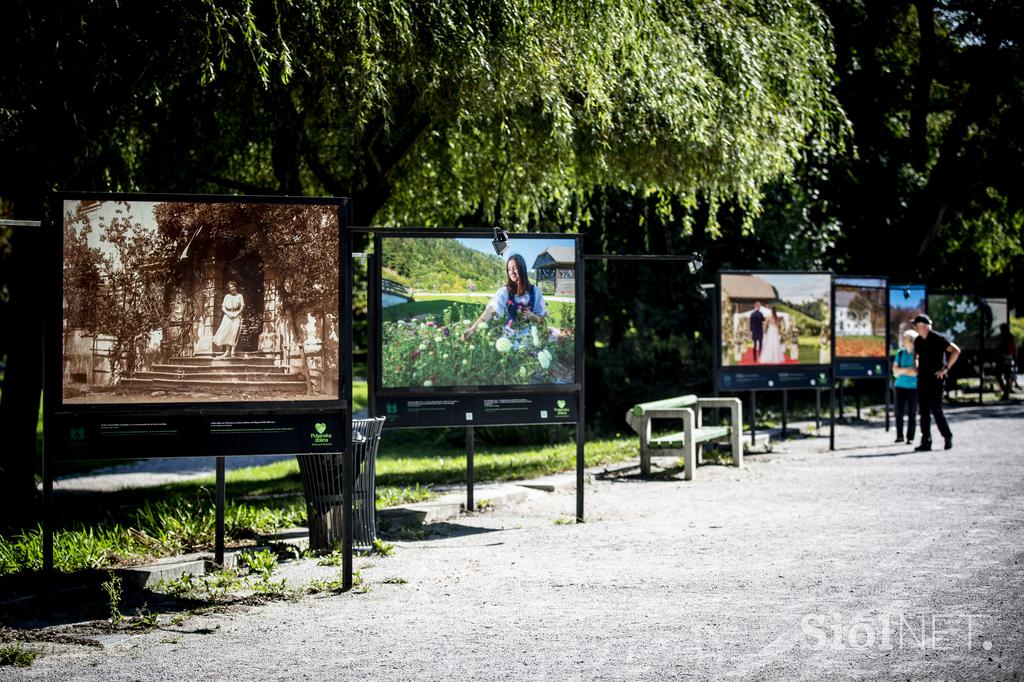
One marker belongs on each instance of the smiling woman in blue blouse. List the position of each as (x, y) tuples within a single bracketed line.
[(515, 303)]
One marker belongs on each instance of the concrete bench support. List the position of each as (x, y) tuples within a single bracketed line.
[(688, 443)]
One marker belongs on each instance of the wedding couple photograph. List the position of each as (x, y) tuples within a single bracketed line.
[(776, 319)]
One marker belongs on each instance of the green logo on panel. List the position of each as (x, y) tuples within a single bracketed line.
[(77, 433), (391, 408), (321, 438), (561, 409)]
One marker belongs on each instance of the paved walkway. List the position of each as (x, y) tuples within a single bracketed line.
[(869, 562)]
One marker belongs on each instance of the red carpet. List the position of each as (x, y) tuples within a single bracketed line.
[(748, 359)]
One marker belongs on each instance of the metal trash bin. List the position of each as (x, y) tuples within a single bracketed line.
[(322, 484)]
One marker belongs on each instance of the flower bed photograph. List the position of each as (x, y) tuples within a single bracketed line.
[(456, 315)]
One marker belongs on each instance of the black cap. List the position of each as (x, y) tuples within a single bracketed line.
[(922, 318)]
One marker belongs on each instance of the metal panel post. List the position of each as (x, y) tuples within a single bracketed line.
[(886, 389), (470, 475), (817, 409), (47, 513), (753, 418), (832, 420), (218, 551), (785, 409)]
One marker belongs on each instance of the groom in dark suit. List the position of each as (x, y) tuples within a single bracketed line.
[(757, 329)]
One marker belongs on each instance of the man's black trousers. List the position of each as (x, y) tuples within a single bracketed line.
[(929, 399)]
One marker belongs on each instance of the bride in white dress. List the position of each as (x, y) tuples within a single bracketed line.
[(771, 346)]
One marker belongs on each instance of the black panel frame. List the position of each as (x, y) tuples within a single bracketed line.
[(861, 367), (471, 400), (82, 431)]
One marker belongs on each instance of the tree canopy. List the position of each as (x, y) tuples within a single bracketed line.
[(935, 93), (422, 112)]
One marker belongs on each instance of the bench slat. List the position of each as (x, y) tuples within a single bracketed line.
[(667, 403), (700, 435)]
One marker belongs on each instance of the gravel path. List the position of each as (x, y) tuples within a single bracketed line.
[(870, 562)]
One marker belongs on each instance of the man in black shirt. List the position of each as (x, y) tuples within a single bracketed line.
[(932, 367)]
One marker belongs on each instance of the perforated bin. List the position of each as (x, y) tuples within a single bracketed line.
[(322, 481)]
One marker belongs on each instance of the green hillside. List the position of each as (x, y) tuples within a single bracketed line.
[(441, 265), (807, 325)]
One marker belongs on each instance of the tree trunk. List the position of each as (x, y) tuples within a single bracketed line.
[(922, 96)]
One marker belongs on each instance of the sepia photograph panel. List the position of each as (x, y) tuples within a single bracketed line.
[(199, 302)]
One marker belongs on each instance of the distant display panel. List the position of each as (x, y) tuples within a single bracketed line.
[(997, 313), (860, 318), (775, 330), (958, 317), (776, 319), (906, 301)]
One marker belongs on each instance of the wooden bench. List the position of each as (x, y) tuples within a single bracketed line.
[(687, 443)]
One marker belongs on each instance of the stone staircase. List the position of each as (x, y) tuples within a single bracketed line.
[(243, 373)]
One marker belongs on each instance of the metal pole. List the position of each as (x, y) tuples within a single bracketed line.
[(218, 551), (981, 353), (857, 394), (817, 409), (785, 409), (753, 418), (470, 474), (348, 452), (832, 421), (373, 295), (47, 514), (580, 447), (886, 389), (347, 486), (581, 361)]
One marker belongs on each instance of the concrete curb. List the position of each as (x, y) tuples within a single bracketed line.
[(452, 505)]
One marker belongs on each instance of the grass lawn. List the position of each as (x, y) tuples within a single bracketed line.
[(133, 526), (809, 351)]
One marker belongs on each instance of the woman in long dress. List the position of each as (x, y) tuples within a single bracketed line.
[(771, 347), (231, 324)]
